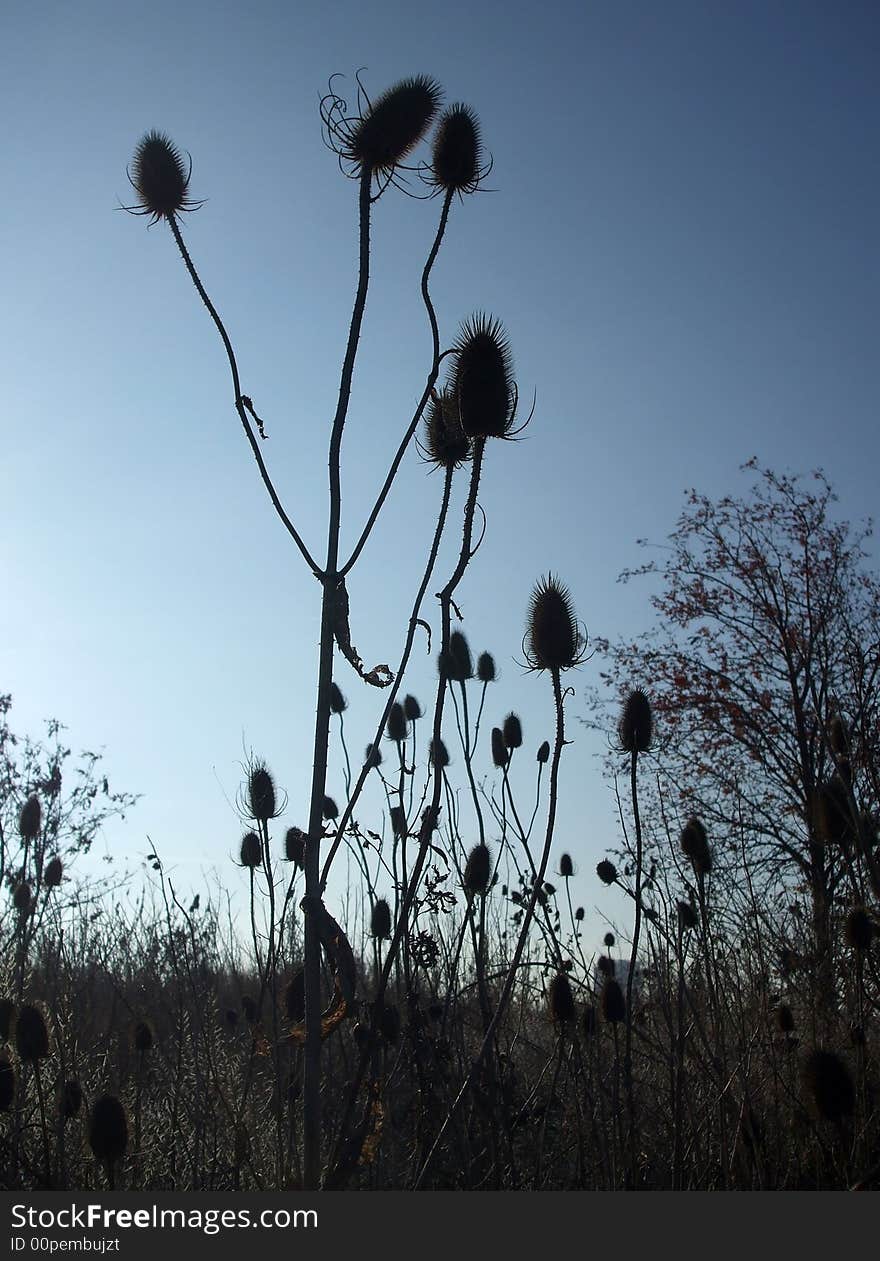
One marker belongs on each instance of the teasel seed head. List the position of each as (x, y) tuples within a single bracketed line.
[(456, 660), (561, 1000), (411, 708), (396, 727), (70, 1099), (486, 667), (338, 703), (23, 898), (687, 916), (7, 1084), (295, 998), (295, 847), (552, 640), (579, 914), (444, 444), (833, 817), (394, 124), (860, 929), (398, 821), (784, 1018), (438, 754), (380, 921), (108, 1129), (31, 1034), (251, 850), (512, 732), (53, 873), (373, 757), (636, 724), (261, 793), (329, 808), (30, 819), (606, 871), (609, 940), (456, 165), (828, 1084), (613, 1002), (544, 753), (483, 382), (566, 867), (605, 965), (142, 1036), (158, 176), (478, 870), (500, 755), (695, 846)]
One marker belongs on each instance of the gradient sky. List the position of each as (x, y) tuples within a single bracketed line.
[(681, 243)]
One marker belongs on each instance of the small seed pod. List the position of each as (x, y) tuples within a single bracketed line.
[(398, 821), (396, 727), (329, 808), (438, 754), (553, 641), (53, 873), (158, 177), (687, 916), (295, 998), (380, 921), (613, 1002), (7, 1012), (394, 124), (251, 850), (579, 914), (7, 1084), (566, 867), (456, 159), (500, 755), (828, 1084), (108, 1129), (561, 1000), (261, 792), (412, 710), (30, 819), (372, 757), (142, 1037), (483, 379), (784, 1018), (70, 1099), (609, 940), (338, 703), (295, 847), (478, 870), (636, 723), (31, 1034), (606, 871), (445, 444), (544, 753), (695, 846), (859, 929), (486, 667), (512, 731), (23, 898), (456, 661)]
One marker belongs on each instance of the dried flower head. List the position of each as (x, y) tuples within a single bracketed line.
[(500, 755), (486, 667), (483, 383), (53, 873), (338, 703), (566, 867), (784, 1018), (158, 176), (457, 165), (30, 819), (108, 1129), (438, 754), (512, 732), (561, 1000), (609, 940), (295, 847), (251, 854), (372, 757), (478, 870), (544, 753), (828, 1084), (22, 897), (411, 708), (380, 921), (636, 723), (31, 1034), (606, 871), (695, 846), (329, 808), (613, 1002), (687, 916), (553, 640), (381, 134), (859, 929), (456, 661), (261, 793), (70, 1099), (396, 727), (444, 443)]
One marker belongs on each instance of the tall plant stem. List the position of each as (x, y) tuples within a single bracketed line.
[(627, 1054)]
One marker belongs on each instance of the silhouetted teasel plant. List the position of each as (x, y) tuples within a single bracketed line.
[(373, 144)]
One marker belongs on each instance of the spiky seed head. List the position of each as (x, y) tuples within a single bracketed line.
[(483, 381), (7, 1084), (478, 870), (439, 754), (687, 916), (372, 757), (31, 1034), (561, 1000), (142, 1036), (544, 753), (261, 793), (380, 921), (579, 914), (295, 847), (395, 123), (249, 1007), (605, 965), (251, 850), (549, 889), (396, 727), (22, 897), (295, 998), (7, 1014), (695, 846), (500, 755), (411, 708), (859, 929), (329, 808), (828, 1084), (457, 148), (636, 724), (512, 731), (613, 1002), (566, 867), (833, 817), (606, 871), (53, 873), (445, 444), (609, 940), (398, 821), (486, 667), (784, 1018), (30, 819), (108, 1129), (456, 661), (70, 1099), (338, 703), (552, 636), (160, 178), (430, 819)]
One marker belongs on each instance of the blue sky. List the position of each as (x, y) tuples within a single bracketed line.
[(681, 243)]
